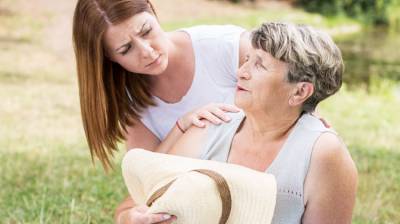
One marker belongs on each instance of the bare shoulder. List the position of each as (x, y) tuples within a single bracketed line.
[(328, 144), (331, 183), (331, 160), (329, 150), (190, 143)]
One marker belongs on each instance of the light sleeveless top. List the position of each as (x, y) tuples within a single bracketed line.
[(216, 52), (290, 167)]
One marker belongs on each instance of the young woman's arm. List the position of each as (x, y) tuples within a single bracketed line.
[(330, 186), (139, 136), (191, 142)]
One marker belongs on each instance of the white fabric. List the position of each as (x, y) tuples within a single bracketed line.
[(216, 50), (193, 197)]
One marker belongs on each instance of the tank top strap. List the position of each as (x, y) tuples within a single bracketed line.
[(219, 138), (297, 151)]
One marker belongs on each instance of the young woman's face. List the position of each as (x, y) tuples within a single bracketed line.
[(138, 44)]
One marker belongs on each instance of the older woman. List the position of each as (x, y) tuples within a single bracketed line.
[(288, 71)]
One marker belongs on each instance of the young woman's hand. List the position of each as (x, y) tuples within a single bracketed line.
[(138, 215), (325, 122), (214, 112)]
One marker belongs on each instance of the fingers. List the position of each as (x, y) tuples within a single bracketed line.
[(139, 215), (229, 108), (168, 221), (214, 113), (325, 122), (221, 114), (159, 218), (197, 122), (211, 116), (141, 208)]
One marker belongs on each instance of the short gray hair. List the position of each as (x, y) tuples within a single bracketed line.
[(311, 54)]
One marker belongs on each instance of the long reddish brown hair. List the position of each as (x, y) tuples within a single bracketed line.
[(111, 97)]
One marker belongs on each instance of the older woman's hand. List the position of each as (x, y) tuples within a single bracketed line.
[(214, 112), (138, 215)]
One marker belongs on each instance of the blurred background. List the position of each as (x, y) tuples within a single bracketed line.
[(46, 174)]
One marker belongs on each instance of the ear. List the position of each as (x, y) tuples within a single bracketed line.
[(301, 92)]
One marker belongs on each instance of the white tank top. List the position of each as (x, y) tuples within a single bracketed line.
[(216, 53)]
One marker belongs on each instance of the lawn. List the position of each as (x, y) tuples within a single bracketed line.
[(46, 171)]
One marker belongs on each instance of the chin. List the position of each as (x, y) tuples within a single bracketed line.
[(159, 69), (241, 102)]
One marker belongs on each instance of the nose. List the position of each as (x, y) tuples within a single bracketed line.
[(146, 51), (243, 73)]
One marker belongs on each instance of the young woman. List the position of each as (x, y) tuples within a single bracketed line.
[(135, 80)]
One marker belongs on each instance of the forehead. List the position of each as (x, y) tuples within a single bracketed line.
[(261, 54), (117, 34), (269, 60)]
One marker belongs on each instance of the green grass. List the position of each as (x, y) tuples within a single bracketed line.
[(370, 126), (46, 172)]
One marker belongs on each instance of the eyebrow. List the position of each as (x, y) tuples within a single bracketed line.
[(141, 29), (126, 44)]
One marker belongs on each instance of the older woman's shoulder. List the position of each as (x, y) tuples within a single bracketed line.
[(331, 165), (331, 181), (329, 146), (330, 151)]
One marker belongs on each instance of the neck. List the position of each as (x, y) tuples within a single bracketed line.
[(269, 126)]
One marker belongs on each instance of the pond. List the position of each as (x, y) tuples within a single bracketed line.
[(370, 55)]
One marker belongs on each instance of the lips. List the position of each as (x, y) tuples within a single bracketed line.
[(241, 88)]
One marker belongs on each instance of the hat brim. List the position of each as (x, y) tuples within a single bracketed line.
[(193, 198)]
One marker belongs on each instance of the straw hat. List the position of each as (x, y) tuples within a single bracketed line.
[(199, 191)]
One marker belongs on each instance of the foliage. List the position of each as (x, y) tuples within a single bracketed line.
[(370, 11)]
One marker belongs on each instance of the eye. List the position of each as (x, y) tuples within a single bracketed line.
[(147, 32), (259, 65), (246, 58), (128, 47)]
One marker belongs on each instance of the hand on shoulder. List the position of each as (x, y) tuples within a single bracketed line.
[(213, 112)]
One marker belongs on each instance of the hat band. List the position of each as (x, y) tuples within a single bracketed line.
[(222, 186)]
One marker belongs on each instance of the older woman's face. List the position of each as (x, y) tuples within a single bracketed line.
[(262, 82), (138, 44)]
